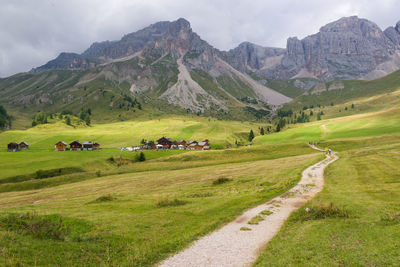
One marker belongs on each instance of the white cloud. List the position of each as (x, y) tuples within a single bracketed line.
[(34, 32)]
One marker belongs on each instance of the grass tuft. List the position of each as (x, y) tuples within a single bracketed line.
[(42, 227), (266, 212), (200, 195), (170, 203), (221, 180), (245, 229), (256, 220), (105, 198), (322, 212)]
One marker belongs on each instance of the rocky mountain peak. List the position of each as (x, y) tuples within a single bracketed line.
[(398, 27), (353, 25)]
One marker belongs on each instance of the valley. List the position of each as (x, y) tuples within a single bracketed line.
[(259, 108)]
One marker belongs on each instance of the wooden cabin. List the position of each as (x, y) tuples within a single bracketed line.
[(165, 142), (88, 145), (23, 145), (96, 146), (182, 143), (195, 146), (205, 141), (75, 146), (60, 146), (12, 147)]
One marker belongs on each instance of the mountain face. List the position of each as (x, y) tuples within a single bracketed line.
[(165, 64), (350, 48), (168, 66)]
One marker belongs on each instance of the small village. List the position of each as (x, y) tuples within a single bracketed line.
[(163, 143)]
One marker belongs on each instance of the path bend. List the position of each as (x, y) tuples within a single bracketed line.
[(230, 246)]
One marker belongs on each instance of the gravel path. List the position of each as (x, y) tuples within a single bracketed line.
[(231, 246)]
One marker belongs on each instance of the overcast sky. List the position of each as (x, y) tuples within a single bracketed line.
[(33, 32)]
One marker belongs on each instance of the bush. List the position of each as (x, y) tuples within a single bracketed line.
[(170, 203), (221, 180)]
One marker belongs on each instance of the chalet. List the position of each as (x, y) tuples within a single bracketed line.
[(165, 142), (182, 143), (195, 146), (60, 146), (96, 146), (75, 146), (206, 147), (205, 141), (12, 147), (202, 144), (88, 145), (23, 145), (191, 142)]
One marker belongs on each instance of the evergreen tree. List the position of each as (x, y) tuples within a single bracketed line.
[(68, 120), (87, 119), (251, 135), (262, 131), (141, 157), (352, 105), (278, 128)]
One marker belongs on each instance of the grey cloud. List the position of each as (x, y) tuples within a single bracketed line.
[(34, 32)]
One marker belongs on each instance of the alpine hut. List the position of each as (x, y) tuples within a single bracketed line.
[(60, 146), (23, 145), (75, 146), (88, 145), (12, 147)]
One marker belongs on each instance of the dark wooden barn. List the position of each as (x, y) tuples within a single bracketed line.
[(75, 146), (12, 147)]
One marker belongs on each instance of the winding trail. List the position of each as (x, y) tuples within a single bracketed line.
[(231, 246)]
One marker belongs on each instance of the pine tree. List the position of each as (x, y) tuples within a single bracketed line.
[(87, 119), (141, 157), (262, 131), (278, 128), (251, 135), (68, 120)]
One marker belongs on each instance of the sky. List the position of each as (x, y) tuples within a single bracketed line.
[(32, 32)]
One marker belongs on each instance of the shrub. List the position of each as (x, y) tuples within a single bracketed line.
[(245, 229), (170, 203), (98, 173), (221, 180)]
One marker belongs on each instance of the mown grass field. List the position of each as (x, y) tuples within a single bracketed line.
[(112, 137), (151, 213)]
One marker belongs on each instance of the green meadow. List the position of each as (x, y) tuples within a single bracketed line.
[(104, 208)]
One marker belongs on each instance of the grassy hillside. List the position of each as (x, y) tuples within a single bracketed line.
[(353, 89)]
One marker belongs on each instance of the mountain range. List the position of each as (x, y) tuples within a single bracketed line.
[(168, 63)]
